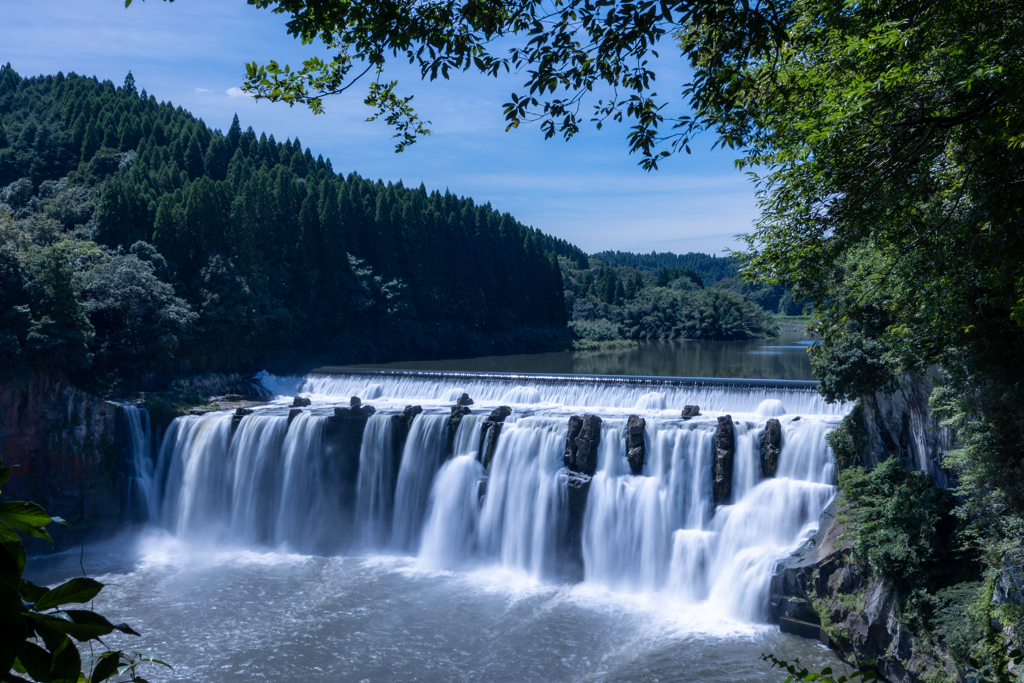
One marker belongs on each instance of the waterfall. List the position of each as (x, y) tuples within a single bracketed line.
[(403, 481), (139, 441)]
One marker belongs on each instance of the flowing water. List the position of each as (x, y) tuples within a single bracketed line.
[(312, 547)]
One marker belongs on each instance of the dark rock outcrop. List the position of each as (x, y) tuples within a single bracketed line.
[(489, 434), (581, 443), (355, 412), (293, 413), (858, 610), (464, 400), (771, 447), (725, 450), (577, 490), (690, 411), (300, 402), (236, 419), (458, 412), (635, 443), (67, 451)]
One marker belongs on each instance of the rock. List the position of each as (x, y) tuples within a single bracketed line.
[(412, 411), (635, 443), (198, 411), (581, 443), (292, 414), (300, 402), (354, 402), (237, 418), (488, 442), (464, 400), (771, 447), (725, 449), (242, 412), (577, 488), (354, 412), (690, 411), (458, 412), (499, 414)]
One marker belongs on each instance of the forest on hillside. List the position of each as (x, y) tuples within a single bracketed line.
[(137, 242)]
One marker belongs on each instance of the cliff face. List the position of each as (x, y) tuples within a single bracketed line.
[(899, 424), (821, 584), (64, 448)]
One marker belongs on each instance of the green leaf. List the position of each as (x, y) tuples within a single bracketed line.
[(36, 660), (86, 625), (67, 664), (5, 474), (74, 591), (125, 628), (30, 592), (26, 517), (105, 667), (12, 557)]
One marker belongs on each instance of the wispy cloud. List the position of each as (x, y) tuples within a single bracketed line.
[(202, 90), (236, 92)]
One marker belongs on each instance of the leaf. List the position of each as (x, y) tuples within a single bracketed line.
[(36, 660), (74, 591), (12, 557), (5, 474), (31, 592), (67, 664), (105, 667), (27, 518), (87, 625), (125, 628)]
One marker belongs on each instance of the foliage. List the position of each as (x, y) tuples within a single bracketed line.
[(847, 441), (711, 268), (903, 526), (863, 672), (41, 625), (608, 303), (187, 249)]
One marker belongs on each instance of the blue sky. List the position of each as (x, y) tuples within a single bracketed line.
[(589, 190)]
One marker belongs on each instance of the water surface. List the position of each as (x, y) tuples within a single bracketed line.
[(784, 357)]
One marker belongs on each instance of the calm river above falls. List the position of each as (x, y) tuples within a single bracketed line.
[(338, 546)]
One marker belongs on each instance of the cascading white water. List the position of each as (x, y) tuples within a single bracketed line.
[(302, 486), (141, 494)]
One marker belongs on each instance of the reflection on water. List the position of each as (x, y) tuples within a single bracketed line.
[(784, 357)]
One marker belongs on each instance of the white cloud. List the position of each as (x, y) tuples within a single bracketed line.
[(236, 92), (202, 90)]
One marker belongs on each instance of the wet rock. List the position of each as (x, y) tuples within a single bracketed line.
[(771, 447), (464, 400), (725, 450), (237, 418), (412, 411), (581, 443), (499, 414), (458, 412), (354, 402), (198, 411), (300, 402), (355, 411), (577, 487), (242, 412), (635, 443), (690, 411), (293, 413)]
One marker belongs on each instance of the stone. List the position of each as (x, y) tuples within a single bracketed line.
[(488, 442), (464, 400), (293, 413), (354, 402), (635, 448), (458, 412), (353, 412), (198, 411), (412, 411), (690, 411), (725, 449), (499, 414), (771, 447), (583, 438), (241, 412), (300, 402)]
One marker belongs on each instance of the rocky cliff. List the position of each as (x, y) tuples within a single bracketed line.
[(66, 449)]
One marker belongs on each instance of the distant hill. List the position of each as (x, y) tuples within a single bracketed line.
[(711, 268)]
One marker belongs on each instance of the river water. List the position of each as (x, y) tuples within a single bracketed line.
[(280, 548)]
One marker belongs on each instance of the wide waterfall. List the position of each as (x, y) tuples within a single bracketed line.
[(462, 488)]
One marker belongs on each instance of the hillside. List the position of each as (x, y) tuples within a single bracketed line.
[(131, 227)]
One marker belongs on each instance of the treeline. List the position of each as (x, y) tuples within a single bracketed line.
[(711, 268), (609, 303), (253, 251)]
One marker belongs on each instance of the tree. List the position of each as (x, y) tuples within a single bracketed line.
[(566, 51)]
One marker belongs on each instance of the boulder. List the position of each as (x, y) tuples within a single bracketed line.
[(300, 402), (499, 414), (690, 411), (635, 443), (458, 412), (198, 411), (464, 400), (354, 402), (412, 411), (582, 442), (292, 414), (354, 412), (725, 449), (242, 412), (771, 447)]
